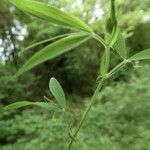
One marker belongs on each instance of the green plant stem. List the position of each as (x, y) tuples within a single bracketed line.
[(107, 50), (86, 113), (117, 68), (112, 72), (99, 39), (113, 10)]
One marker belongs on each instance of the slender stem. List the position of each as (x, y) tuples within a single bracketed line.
[(86, 112), (112, 72), (107, 50), (113, 10), (117, 68), (51, 101), (98, 38)]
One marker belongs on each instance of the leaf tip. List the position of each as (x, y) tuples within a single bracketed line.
[(51, 80)]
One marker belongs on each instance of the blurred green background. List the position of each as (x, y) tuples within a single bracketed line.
[(120, 118)]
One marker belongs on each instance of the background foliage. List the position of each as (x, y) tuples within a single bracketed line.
[(120, 117)]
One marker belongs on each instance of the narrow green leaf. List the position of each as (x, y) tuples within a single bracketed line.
[(115, 36), (58, 92), (98, 38), (17, 105), (57, 48), (105, 62), (44, 41), (102, 64), (120, 46), (145, 54), (47, 106), (50, 13)]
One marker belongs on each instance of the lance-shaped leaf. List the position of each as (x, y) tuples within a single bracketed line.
[(50, 13), (103, 64), (58, 92), (44, 41), (17, 105), (114, 37), (145, 54), (47, 106), (53, 50), (120, 46)]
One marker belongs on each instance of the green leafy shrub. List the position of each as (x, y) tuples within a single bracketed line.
[(12, 89), (119, 119), (113, 41), (31, 129)]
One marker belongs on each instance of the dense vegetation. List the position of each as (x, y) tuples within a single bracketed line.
[(118, 120)]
